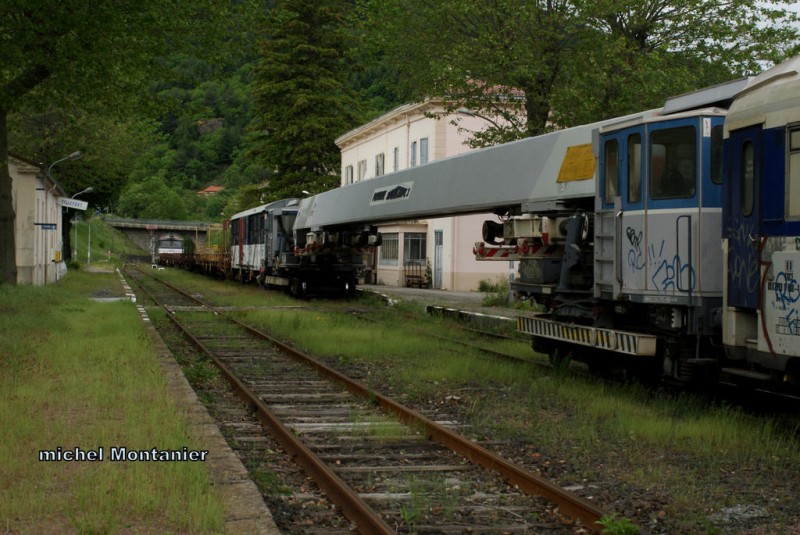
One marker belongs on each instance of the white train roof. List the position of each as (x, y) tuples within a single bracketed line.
[(264, 207), (772, 98)]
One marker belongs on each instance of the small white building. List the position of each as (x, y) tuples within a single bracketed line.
[(37, 227), (406, 137)]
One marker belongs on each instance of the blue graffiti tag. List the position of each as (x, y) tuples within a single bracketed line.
[(673, 274), (786, 288), (635, 256), (742, 260)]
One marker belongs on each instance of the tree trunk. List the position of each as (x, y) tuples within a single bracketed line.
[(8, 249)]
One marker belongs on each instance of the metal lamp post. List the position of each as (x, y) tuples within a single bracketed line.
[(75, 224), (74, 156), (48, 173), (89, 243)]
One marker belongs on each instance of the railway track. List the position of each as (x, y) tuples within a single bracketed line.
[(387, 468)]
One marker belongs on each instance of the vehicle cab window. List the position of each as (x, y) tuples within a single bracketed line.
[(673, 163), (611, 159)]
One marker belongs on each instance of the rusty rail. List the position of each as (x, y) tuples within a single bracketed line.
[(338, 491)]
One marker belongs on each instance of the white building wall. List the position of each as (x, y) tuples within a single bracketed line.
[(400, 129), (37, 226)]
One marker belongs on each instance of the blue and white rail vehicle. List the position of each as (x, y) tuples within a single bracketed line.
[(264, 247), (761, 228), (685, 268), (663, 242)]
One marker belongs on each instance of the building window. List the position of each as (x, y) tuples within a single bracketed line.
[(672, 163), (423, 151), (396, 162), (348, 175), (793, 175), (389, 249), (362, 170), (414, 247), (413, 154), (379, 164)]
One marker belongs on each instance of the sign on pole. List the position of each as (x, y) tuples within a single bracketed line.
[(73, 203)]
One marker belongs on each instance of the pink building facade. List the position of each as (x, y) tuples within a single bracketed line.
[(406, 137)]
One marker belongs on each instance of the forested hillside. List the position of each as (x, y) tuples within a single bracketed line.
[(255, 98)]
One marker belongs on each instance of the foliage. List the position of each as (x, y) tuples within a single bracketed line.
[(499, 59), (208, 112), (63, 53), (497, 292), (107, 244), (617, 526), (533, 66), (152, 198), (108, 147), (301, 100), (643, 52)]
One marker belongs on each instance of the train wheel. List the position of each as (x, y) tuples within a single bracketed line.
[(297, 288), (560, 358), (349, 289)]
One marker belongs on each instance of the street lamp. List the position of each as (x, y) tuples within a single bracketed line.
[(75, 224), (89, 243), (74, 156)]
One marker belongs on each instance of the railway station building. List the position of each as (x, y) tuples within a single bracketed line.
[(38, 223), (411, 135)]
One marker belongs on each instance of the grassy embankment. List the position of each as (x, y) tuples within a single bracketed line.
[(79, 373), (108, 244)]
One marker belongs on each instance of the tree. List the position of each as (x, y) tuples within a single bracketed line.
[(301, 99), (109, 146), (653, 49), (209, 111), (152, 199), (58, 53), (538, 65), (501, 59)]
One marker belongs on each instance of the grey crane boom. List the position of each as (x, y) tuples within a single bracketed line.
[(504, 176)]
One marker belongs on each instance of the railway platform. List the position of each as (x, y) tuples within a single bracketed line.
[(468, 302)]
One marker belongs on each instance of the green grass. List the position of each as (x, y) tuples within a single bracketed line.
[(105, 239), (424, 365), (226, 293), (76, 373)]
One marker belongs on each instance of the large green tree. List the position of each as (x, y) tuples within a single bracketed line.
[(59, 53), (501, 59), (651, 49), (301, 99), (531, 66), (152, 198)]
